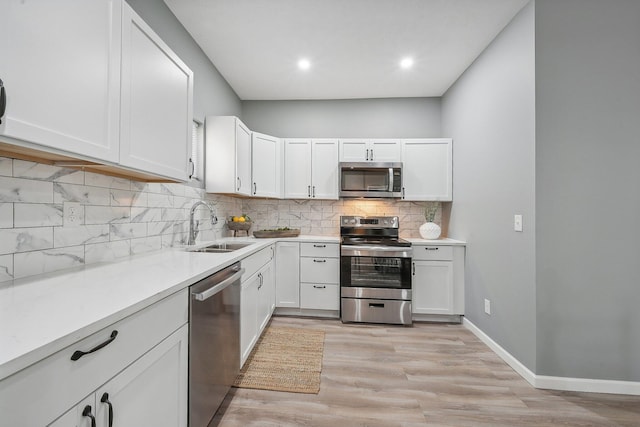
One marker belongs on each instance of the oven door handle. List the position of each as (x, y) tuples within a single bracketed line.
[(376, 251)]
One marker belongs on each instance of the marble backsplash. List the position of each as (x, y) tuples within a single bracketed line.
[(322, 217), (122, 217)]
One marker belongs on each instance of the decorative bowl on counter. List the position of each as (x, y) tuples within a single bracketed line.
[(235, 226), (278, 232)]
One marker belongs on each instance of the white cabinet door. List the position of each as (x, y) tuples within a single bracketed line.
[(427, 169), (153, 390), (228, 154), (287, 274), (265, 154), (248, 316), (324, 169), (243, 158), (432, 287), (60, 64), (384, 150), (354, 150), (265, 297), (297, 169), (157, 102), (369, 150)]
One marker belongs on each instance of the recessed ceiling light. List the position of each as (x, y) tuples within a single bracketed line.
[(406, 63), (304, 64)]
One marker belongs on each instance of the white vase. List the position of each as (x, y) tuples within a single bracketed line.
[(430, 231)]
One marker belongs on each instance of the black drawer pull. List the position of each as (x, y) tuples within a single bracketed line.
[(376, 305), (319, 260), (319, 246), (86, 412), (432, 249), (319, 287), (79, 353), (105, 399)]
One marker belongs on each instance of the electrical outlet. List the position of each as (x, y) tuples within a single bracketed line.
[(73, 214), (487, 306), (517, 222)]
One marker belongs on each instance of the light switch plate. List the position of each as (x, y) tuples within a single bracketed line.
[(487, 306), (517, 222)]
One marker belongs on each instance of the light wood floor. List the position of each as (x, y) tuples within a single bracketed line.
[(430, 374)]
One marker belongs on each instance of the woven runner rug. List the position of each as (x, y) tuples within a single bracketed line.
[(285, 359)]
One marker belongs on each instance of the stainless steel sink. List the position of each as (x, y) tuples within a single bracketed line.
[(219, 248)]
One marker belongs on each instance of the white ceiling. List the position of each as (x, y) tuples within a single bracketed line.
[(354, 46)]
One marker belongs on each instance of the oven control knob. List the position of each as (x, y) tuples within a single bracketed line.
[(385, 222), (353, 221)]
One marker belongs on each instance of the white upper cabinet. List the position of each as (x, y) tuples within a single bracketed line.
[(370, 150), (228, 154), (90, 80), (311, 169), (60, 64), (157, 102), (265, 165), (324, 169), (427, 169)]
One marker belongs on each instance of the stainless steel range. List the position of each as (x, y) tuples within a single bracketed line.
[(375, 271)]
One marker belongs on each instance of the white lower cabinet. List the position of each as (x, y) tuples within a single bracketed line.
[(438, 280), (288, 274), (152, 391), (257, 298), (320, 276), (140, 361)]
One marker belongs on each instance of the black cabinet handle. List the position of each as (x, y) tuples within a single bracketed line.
[(255, 188), (431, 249), (367, 154), (79, 353), (3, 100), (414, 268), (308, 191), (314, 191), (319, 246), (105, 399), (86, 412), (319, 260), (319, 287)]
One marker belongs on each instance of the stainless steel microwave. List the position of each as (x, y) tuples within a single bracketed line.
[(370, 179)]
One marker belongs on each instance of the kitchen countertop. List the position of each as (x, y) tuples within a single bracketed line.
[(44, 314), (442, 242)]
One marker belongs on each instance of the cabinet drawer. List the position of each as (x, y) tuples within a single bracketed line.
[(319, 296), (253, 263), (435, 253), (320, 270), (57, 383), (328, 250)]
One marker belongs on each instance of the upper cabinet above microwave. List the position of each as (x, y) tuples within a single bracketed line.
[(368, 150), (90, 81)]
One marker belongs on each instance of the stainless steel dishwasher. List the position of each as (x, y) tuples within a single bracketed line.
[(214, 342)]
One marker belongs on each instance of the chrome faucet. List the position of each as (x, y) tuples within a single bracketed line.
[(193, 229)]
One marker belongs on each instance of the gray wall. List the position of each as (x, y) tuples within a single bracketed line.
[(371, 118), (489, 113), (587, 197), (212, 93)]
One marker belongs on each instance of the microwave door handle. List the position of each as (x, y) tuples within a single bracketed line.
[(391, 180)]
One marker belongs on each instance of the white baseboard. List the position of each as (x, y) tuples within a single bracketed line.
[(554, 383)]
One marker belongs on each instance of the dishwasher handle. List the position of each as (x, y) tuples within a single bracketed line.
[(208, 293)]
